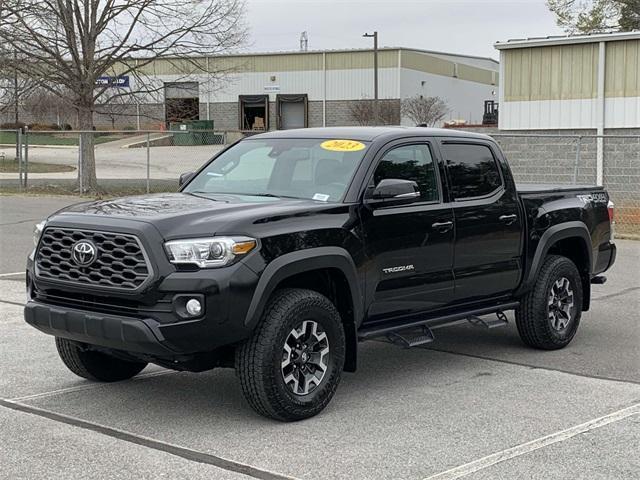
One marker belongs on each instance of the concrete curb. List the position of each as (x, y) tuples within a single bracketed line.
[(13, 145)]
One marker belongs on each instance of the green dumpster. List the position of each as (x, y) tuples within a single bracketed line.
[(194, 132), (183, 135)]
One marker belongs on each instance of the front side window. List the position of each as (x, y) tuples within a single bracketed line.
[(472, 169), (317, 169), (411, 162)]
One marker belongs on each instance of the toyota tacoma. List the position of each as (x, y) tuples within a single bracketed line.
[(288, 248)]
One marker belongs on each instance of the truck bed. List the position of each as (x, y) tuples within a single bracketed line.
[(551, 187)]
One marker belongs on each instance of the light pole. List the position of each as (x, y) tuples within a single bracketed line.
[(374, 35)]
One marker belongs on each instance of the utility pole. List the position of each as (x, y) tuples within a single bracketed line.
[(16, 93), (376, 110), (16, 103)]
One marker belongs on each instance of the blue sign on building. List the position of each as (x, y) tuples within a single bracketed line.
[(121, 81)]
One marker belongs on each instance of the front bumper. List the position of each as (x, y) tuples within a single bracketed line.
[(110, 331), (148, 322)]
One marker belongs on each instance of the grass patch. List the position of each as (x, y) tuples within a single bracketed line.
[(61, 138), (11, 166), (106, 188)]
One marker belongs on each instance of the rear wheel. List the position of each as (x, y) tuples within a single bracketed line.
[(94, 365), (291, 366), (549, 315)]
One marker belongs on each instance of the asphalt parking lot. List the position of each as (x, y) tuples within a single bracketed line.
[(475, 404)]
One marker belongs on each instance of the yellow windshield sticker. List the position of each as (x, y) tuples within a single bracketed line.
[(342, 145)]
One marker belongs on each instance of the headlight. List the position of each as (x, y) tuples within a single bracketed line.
[(37, 231), (209, 252)]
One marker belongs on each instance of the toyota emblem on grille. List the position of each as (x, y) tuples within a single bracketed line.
[(84, 253)]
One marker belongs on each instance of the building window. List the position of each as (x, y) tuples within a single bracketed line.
[(254, 112)]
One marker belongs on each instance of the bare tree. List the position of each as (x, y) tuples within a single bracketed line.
[(593, 16), (388, 112), (363, 112), (424, 110), (69, 44), (47, 107), (13, 86)]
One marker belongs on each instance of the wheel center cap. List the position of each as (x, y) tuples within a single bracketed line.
[(304, 357)]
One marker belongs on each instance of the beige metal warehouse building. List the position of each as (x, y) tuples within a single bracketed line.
[(313, 88), (574, 82)]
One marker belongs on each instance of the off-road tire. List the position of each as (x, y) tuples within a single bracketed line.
[(258, 360), (532, 316), (94, 365)]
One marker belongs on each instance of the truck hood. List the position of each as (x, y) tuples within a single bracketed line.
[(178, 215)]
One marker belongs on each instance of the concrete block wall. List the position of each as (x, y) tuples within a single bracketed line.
[(552, 160)]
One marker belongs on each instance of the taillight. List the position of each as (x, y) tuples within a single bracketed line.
[(611, 209)]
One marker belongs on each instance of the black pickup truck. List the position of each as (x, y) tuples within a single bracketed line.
[(288, 248)]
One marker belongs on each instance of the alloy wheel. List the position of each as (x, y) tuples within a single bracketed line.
[(304, 357), (560, 304)]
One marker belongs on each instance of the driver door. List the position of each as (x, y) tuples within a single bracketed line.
[(409, 246)]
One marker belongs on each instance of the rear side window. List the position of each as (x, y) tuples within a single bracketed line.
[(473, 170)]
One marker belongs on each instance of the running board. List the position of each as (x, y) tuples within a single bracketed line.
[(411, 339), (500, 321), (367, 333)]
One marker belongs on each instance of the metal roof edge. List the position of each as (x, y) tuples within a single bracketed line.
[(567, 40), (420, 50)]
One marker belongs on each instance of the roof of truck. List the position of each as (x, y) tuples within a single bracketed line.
[(369, 133)]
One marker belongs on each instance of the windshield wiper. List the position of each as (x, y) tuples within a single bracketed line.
[(201, 194), (259, 194)]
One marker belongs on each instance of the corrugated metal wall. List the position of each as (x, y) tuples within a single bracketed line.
[(551, 73), (422, 62), (549, 87), (623, 69)]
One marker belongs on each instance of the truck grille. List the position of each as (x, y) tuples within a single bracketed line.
[(119, 260)]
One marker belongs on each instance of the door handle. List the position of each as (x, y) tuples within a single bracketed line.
[(508, 219), (442, 226)]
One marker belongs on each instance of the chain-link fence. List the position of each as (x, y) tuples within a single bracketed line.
[(575, 159), (130, 162), (126, 162)]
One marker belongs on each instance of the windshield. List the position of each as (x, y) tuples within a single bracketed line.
[(317, 169)]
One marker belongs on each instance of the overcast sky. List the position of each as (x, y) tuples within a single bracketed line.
[(457, 26)]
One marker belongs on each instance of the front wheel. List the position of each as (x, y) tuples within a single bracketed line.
[(94, 365), (549, 315), (291, 366)]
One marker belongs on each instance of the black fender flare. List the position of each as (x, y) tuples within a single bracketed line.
[(300, 261), (552, 235)]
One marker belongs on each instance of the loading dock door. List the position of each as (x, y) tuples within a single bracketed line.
[(292, 111), (182, 101), (254, 112)]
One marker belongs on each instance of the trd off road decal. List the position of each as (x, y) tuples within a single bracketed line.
[(596, 197)]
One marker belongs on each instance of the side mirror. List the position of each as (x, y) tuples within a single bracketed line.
[(394, 191), (185, 177)]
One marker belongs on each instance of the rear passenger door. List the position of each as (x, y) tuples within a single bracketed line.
[(410, 246), (487, 219)]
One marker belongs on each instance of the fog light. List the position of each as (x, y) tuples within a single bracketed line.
[(194, 307)]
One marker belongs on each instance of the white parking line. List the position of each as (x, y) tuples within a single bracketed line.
[(171, 448), (518, 450), (91, 386), (11, 274)]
